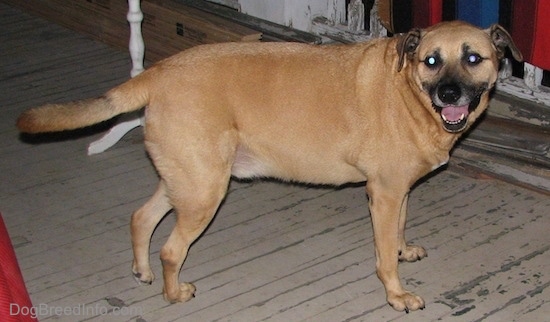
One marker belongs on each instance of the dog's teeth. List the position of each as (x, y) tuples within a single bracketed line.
[(462, 117)]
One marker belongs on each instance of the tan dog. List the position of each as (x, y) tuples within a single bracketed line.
[(386, 111)]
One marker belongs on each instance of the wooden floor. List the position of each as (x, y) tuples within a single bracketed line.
[(275, 252)]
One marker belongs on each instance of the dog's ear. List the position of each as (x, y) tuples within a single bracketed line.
[(502, 39), (406, 45)]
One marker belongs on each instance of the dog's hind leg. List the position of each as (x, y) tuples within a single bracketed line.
[(195, 198), (144, 221), (408, 253), (385, 201)]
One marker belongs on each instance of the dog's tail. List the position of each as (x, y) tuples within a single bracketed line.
[(127, 97)]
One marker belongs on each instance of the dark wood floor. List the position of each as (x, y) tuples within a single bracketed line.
[(275, 252)]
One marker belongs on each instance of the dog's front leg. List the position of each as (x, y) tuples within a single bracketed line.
[(385, 201), (408, 253)]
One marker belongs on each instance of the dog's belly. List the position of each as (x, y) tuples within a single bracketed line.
[(248, 165)]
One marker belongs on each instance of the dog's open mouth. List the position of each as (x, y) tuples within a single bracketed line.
[(455, 118)]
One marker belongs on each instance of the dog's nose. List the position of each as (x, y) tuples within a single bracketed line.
[(449, 93)]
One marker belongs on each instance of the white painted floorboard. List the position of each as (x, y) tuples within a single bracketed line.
[(275, 252)]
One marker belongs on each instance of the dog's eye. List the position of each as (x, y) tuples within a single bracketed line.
[(432, 61), (473, 59)]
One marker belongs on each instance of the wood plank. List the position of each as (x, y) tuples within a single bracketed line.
[(509, 150), (507, 106), (480, 164), (512, 135)]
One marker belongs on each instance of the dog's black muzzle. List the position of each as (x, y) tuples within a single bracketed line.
[(454, 102)]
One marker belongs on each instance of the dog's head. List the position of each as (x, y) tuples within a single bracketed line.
[(456, 65)]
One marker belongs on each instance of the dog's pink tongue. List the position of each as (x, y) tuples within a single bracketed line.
[(454, 113)]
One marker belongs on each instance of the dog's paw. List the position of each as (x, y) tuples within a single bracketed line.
[(406, 301), (185, 293), (412, 253), (143, 278)]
